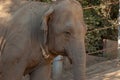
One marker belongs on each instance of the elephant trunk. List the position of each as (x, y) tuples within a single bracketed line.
[(76, 51)]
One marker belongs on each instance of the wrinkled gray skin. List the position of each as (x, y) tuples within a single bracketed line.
[(58, 28)]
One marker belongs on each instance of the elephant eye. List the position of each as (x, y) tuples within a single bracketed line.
[(67, 33)]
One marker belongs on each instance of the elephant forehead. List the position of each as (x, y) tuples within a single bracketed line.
[(69, 11), (68, 16), (68, 5)]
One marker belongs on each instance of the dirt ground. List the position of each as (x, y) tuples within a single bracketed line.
[(105, 70)]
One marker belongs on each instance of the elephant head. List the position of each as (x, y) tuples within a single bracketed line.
[(64, 33)]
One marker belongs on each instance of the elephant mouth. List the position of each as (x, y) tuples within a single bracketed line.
[(56, 53)]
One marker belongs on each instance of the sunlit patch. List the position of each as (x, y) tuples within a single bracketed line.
[(106, 79), (112, 74), (4, 8), (54, 0), (107, 76), (118, 43)]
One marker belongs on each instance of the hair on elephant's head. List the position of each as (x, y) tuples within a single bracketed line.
[(64, 32)]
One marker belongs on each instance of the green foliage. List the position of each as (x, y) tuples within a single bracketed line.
[(100, 14)]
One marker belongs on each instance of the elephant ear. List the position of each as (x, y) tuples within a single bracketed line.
[(44, 25)]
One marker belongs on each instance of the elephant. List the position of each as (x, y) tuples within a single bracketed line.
[(36, 33)]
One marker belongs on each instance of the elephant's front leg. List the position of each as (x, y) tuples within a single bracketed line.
[(43, 72), (12, 69)]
